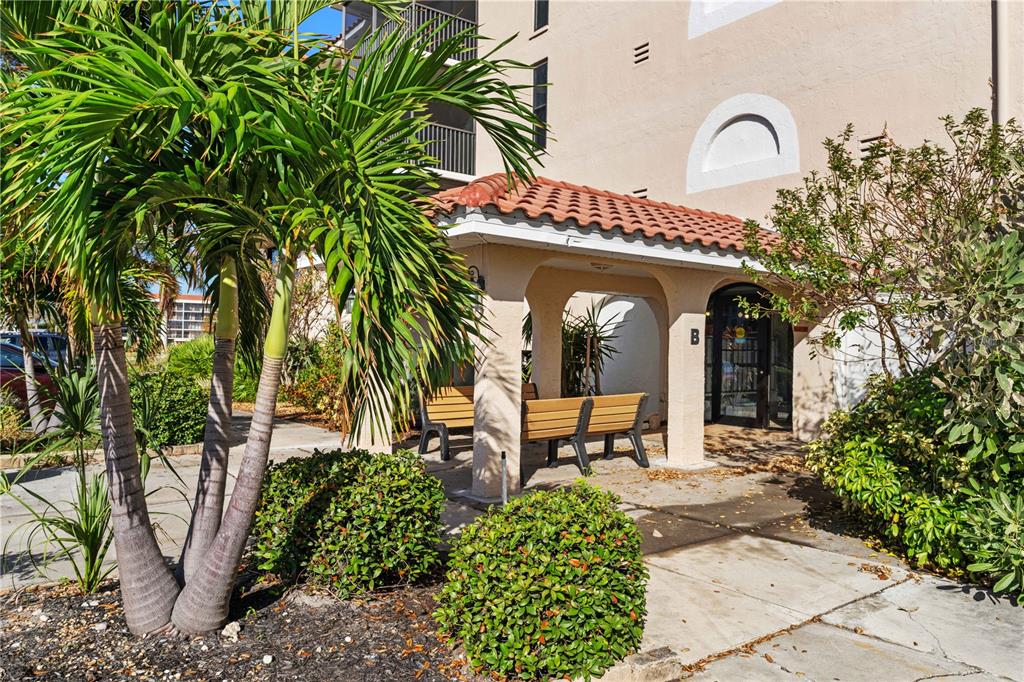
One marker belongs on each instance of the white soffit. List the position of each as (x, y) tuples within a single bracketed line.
[(483, 226), (707, 15)]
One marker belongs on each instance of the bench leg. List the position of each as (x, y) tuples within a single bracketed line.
[(446, 453), (609, 445), (582, 460), (424, 441), (638, 447), (552, 453)]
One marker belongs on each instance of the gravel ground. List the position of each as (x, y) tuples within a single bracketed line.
[(54, 633)]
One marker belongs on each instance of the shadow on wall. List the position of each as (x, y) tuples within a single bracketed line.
[(636, 366)]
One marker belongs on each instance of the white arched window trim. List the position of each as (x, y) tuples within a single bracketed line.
[(701, 176), (707, 15)]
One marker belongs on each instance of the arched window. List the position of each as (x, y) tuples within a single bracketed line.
[(747, 137), (707, 15)]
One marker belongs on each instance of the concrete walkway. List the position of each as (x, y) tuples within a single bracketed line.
[(752, 574)]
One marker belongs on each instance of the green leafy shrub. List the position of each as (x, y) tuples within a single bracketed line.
[(316, 379), (993, 530), (349, 520), (552, 585), (928, 493), (171, 406), (245, 382), (192, 358), (885, 459)]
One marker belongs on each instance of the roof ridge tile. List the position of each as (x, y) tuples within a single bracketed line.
[(605, 210)]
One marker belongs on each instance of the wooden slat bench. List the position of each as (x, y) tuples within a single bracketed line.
[(558, 419), (615, 414), (452, 408), (607, 415)]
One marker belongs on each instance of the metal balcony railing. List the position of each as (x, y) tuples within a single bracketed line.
[(416, 16), (454, 148)]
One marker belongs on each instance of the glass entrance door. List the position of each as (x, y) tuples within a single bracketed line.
[(749, 359)]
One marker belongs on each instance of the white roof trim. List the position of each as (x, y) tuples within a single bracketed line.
[(486, 226)]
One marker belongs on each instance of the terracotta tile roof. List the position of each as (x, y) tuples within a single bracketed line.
[(561, 201)]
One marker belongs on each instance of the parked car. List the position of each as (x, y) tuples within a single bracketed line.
[(12, 373), (53, 345)]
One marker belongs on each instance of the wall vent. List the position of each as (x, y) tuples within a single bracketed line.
[(641, 53), (640, 193), (867, 142)]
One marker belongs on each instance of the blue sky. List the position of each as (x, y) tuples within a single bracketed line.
[(326, 22)]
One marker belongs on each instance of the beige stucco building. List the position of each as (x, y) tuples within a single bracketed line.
[(709, 104), (716, 104)]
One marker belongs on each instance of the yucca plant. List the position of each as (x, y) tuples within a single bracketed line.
[(82, 534), (586, 344)]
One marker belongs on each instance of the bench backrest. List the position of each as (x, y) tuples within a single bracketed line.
[(615, 413), (554, 418), (453, 405)]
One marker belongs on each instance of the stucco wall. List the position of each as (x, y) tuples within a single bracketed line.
[(636, 365), (620, 126)]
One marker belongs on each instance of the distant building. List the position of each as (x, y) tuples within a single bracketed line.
[(188, 318)]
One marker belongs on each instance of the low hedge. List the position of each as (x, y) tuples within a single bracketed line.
[(552, 585), (171, 406), (350, 521)]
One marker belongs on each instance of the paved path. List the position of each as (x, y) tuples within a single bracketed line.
[(752, 575)]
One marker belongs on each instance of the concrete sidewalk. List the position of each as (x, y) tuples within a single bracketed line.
[(753, 575)]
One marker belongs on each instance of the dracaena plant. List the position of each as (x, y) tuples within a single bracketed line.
[(218, 123)]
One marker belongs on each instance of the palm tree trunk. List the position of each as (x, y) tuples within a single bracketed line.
[(209, 500), (203, 604), (35, 408), (148, 588)]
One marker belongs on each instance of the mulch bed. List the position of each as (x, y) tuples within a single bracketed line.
[(56, 633)]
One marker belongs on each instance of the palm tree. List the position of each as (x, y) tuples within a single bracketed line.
[(322, 157)]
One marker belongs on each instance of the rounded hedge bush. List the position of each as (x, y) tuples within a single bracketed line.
[(350, 521), (552, 585), (170, 405)]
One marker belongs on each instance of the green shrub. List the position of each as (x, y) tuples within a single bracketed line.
[(931, 496), (551, 585), (886, 459), (245, 383), (349, 520), (12, 420), (993, 533), (193, 358), (171, 407)]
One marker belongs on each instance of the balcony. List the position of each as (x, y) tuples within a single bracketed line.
[(417, 15), (454, 148)]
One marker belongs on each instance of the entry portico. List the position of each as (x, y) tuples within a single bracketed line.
[(541, 242)]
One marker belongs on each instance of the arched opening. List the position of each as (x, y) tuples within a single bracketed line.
[(748, 372)]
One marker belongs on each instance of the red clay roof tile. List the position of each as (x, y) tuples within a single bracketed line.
[(589, 207)]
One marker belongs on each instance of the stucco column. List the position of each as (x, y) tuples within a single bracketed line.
[(686, 294), (497, 394), (546, 310), (659, 403), (685, 408)]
